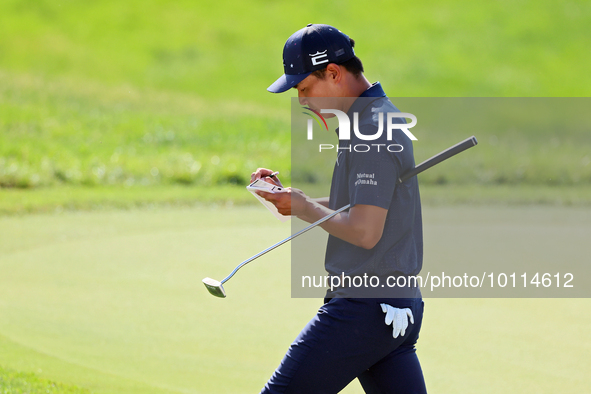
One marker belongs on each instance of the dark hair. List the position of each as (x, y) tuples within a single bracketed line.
[(353, 65)]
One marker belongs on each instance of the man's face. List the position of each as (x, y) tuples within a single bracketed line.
[(318, 93)]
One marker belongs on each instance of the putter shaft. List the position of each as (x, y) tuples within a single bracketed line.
[(316, 223)]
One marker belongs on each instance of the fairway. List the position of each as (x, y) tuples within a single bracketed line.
[(112, 301)]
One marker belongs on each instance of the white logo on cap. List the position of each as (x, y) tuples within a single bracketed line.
[(317, 56)]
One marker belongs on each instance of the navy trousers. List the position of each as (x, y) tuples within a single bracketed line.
[(348, 339)]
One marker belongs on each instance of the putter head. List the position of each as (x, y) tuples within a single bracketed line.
[(214, 287)]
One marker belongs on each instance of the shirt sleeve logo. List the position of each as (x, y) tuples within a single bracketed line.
[(366, 179)]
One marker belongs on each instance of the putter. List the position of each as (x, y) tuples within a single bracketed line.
[(216, 288)]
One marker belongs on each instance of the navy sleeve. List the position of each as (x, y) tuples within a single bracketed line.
[(372, 178)]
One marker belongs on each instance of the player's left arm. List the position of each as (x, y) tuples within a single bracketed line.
[(361, 226)]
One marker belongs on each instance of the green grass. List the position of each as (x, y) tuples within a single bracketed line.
[(145, 93), (113, 301), (60, 133), (63, 132), (224, 50), (75, 198), (69, 198), (12, 382), (111, 104)]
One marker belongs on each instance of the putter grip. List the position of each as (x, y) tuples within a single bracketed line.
[(438, 158)]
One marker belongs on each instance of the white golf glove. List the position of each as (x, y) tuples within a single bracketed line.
[(398, 318)]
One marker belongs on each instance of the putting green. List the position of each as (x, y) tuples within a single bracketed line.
[(113, 301)]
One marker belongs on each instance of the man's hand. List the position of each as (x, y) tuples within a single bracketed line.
[(263, 173), (289, 202), (398, 318), (362, 226)]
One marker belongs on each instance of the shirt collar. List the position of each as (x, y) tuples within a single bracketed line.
[(375, 91)]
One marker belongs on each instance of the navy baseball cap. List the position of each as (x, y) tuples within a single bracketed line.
[(309, 49)]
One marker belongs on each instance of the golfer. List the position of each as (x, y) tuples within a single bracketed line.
[(367, 332)]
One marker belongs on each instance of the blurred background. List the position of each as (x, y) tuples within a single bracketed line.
[(116, 103), (128, 131)]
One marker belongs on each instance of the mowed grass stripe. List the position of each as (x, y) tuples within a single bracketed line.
[(121, 293), (137, 295)]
